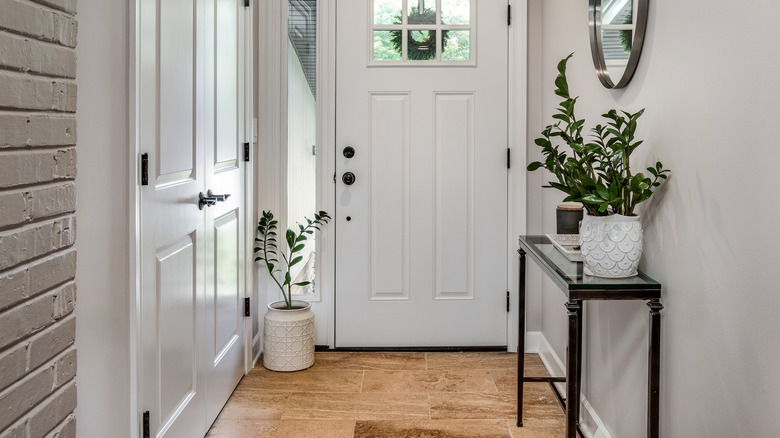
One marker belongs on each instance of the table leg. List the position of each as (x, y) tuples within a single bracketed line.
[(520, 338), (579, 361), (654, 370), (572, 372)]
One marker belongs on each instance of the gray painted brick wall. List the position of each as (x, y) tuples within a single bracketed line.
[(37, 218)]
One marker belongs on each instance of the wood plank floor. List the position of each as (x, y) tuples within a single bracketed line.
[(392, 395)]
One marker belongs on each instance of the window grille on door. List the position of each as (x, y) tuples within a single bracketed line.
[(422, 32)]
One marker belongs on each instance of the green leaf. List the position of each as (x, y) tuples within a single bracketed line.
[(295, 261), (299, 247), (592, 199), (534, 166), (290, 238), (303, 283)]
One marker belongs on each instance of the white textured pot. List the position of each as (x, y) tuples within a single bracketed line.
[(288, 339), (611, 245)]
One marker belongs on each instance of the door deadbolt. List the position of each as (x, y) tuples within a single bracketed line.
[(348, 178), (349, 152)]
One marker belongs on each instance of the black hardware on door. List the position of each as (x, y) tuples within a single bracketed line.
[(348, 178), (144, 169), (146, 432), (210, 199), (247, 307), (246, 152), (349, 152), (205, 201), (219, 198)]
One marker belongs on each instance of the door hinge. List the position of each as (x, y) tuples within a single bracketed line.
[(508, 15), (246, 152), (144, 169), (146, 431), (334, 177), (507, 301), (508, 158), (246, 3), (247, 307)]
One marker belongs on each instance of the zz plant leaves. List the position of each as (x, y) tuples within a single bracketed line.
[(595, 173), (267, 249)]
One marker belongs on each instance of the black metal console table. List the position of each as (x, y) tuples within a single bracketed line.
[(577, 287)]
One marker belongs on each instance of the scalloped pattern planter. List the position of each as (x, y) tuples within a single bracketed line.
[(288, 337), (611, 245)]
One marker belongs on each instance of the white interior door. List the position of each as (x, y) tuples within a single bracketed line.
[(421, 233), (224, 221), (191, 258)]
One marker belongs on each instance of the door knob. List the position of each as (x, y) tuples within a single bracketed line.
[(210, 199), (219, 198), (205, 201), (348, 178), (349, 152)]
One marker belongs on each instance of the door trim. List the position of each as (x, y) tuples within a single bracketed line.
[(268, 86)]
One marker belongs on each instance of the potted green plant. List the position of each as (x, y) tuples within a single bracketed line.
[(288, 335), (598, 174)]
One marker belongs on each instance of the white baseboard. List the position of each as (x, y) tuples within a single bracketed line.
[(590, 423), (532, 342), (256, 343)]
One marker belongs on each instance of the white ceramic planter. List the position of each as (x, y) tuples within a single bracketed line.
[(288, 339), (611, 245)]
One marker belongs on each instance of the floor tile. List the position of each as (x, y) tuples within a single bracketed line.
[(534, 366), (499, 406), (428, 381), (302, 381), (536, 432), (368, 361), (281, 429), (540, 406), (363, 406), (471, 361), (432, 429), (254, 405), (506, 380)]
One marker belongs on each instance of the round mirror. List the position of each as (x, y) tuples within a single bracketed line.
[(617, 30)]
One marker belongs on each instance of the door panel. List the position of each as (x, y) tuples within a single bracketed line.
[(454, 126), (227, 25), (227, 297), (389, 197), (422, 259), (176, 106), (177, 304)]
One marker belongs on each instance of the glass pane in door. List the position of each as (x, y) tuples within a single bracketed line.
[(302, 131)]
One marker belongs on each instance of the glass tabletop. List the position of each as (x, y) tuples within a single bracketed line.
[(569, 275)]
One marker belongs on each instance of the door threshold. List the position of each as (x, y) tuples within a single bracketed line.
[(480, 349)]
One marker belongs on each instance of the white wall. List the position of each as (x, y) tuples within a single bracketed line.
[(708, 78), (102, 310)]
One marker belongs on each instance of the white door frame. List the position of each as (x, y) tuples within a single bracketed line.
[(270, 88), (133, 200)]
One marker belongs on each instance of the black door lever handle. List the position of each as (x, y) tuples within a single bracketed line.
[(219, 198)]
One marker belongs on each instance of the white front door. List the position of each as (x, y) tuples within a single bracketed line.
[(191, 259), (422, 231)]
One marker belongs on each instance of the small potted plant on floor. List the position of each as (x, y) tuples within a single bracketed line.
[(288, 336), (597, 174)]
